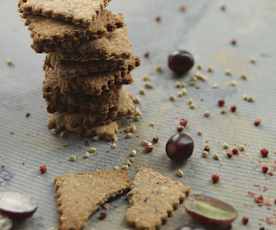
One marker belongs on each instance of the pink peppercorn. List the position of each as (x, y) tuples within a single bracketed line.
[(43, 169), (257, 122), (215, 178), (235, 151), (183, 122), (245, 220), (259, 199), (221, 103), (264, 169), (264, 152), (233, 109)]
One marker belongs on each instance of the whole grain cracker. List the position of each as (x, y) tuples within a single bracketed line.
[(94, 85), (71, 69), (153, 198), (49, 34), (78, 12), (78, 196)]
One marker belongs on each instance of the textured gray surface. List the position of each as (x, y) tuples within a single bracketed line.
[(206, 32)]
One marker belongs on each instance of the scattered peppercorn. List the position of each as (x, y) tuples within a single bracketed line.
[(264, 169), (229, 155), (183, 8), (146, 55), (183, 122), (235, 151), (43, 169), (233, 42), (221, 103), (179, 173), (158, 19), (179, 129), (148, 147), (264, 152), (215, 178), (159, 69), (233, 109), (155, 140), (206, 148), (245, 220), (27, 115), (102, 215), (259, 200), (257, 122), (181, 62), (206, 114)]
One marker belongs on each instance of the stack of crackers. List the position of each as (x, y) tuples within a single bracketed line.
[(89, 59)]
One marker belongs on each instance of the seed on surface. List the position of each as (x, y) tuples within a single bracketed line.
[(243, 77), (264, 169), (228, 73), (114, 145), (264, 152), (155, 140), (215, 157), (172, 98), (133, 153), (206, 114), (142, 92), (223, 111), (92, 150), (146, 78), (253, 61), (233, 83), (207, 148), (181, 62), (205, 154), (257, 122), (210, 69), (179, 173), (215, 178), (72, 158), (183, 122), (233, 109), (158, 69), (86, 155), (27, 115), (229, 155), (233, 42), (199, 67), (158, 19), (183, 8), (225, 146), (148, 86), (221, 103), (9, 63), (245, 220), (146, 55), (179, 128), (235, 151), (43, 169)]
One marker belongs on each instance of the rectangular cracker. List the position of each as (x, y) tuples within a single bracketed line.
[(78, 196), (80, 102), (153, 198), (115, 45), (91, 124), (70, 69), (93, 85), (49, 34), (77, 12)]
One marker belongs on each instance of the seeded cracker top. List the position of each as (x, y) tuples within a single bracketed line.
[(152, 198), (78, 12), (79, 195)]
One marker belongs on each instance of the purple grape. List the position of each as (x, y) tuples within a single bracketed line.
[(16, 205), (181, 62), (180, 147)]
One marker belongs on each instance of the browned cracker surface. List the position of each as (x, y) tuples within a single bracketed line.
[(49, 34), (70, 69), (153, 198), (78, 196), (92, 125), (78, 12), (115, 45), (80, 102), (94, 85)]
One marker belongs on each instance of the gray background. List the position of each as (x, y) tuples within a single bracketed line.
[(205, 31)]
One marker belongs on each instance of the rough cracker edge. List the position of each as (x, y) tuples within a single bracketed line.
[(114, 196), (123, 65), (50, 14), (60, 43)]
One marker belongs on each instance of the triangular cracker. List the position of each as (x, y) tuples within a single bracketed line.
[(153, 198), (80, 195), (78, 12)]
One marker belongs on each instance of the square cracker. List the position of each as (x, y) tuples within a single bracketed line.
[(78, 12), (48, 34), (78, 196), (153, 198)]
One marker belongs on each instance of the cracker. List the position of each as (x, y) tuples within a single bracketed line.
[(94, 85), (49, 34), (80, 102), (92, 125), (70, 69), (115, 45), (78, 12), (153, 198), (78, 196)]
